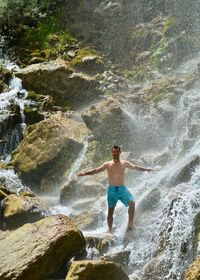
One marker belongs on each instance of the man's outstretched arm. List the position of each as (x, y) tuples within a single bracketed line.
[(138, 167), (93, 171)]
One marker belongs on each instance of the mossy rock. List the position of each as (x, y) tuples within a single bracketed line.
[(160, 91), (5, 75), (44, 102), (88, 60), (32, 115), (96, 269), (47, 40), (3, 87), (169, 27), (58, 79)]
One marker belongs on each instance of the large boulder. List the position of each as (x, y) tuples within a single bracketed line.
[(96, 269), (119, 257), (18, 210), (82, 188), (37, 250), (86, 220), (48, 151), (183, 171), (108, 122), (58, 79), (150, 201)]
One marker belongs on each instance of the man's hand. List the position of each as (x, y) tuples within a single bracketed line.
[(81, 174)]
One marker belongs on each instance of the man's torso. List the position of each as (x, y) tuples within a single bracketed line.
[(116, 172)]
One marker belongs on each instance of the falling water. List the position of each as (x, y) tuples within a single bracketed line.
[(17, 96), (77, 164)]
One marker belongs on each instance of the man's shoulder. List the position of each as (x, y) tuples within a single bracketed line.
[(124, 162), (107, 162)]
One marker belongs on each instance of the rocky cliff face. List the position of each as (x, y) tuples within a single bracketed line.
[(112, 27)]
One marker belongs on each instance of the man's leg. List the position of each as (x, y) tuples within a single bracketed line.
[(131, 212), (110, 218)]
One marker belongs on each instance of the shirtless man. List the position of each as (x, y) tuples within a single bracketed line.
[(117, 190)]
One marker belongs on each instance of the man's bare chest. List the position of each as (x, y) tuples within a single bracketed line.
[(116, 168)]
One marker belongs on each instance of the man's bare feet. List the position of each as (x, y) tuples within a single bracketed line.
[(131, 226)]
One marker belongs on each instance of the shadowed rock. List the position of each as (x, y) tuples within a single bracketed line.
[(35, 251), (97, 269), (19, 210), (76, 189), (58, 79), (184, 172), (48, 151), (108, 122)]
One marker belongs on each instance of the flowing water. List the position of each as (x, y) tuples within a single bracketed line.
[(165, 209), (164, 228), (15, 96)]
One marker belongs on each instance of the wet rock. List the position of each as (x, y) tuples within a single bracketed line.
[(146, 34), (196, 232), (150, 201), (18, 210), (37, 250), (57, 79), (11, 119), (193, 272), (156, 268), (4, 192), (121, 258), (97, 269), (44, 102), (5, 75), (108, 116), (3, 87), (86, 220), (91, 63), (184, 172), (32, 115), (48, 151), (84, 189)]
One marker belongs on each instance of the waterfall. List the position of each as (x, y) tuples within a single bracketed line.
[(79, 160), (144, 38), (12, 125)]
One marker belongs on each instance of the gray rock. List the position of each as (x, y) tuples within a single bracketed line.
[(184, 172), (108, 123), (81, 189)]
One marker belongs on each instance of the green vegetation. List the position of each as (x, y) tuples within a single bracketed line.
[(169, 26), (46, 40), (25, 12), (160, 90), (47, 35), (34, 29), (159, 51)]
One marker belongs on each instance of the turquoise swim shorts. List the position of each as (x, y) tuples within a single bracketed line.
[(116, 193)]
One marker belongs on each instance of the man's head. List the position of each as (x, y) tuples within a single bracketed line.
[(116, 152)]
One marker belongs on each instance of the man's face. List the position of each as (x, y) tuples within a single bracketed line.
[(116, 153)]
